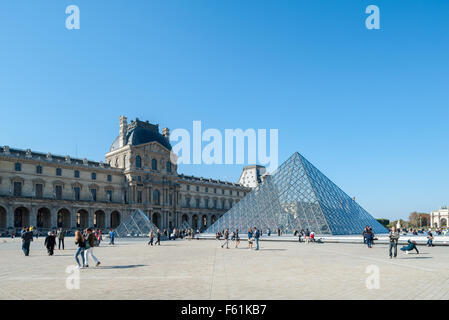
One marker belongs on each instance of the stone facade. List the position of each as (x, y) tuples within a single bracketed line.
[(49, 191), (440, 218)]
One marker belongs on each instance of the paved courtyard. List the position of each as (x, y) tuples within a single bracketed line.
[(200, 269)]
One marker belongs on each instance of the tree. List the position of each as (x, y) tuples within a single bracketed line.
[(418, 219), (384, 222)]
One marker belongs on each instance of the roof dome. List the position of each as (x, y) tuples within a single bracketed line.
[(140, 132)]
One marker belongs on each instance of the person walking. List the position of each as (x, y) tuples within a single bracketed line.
[(250, 238), (394, 238), (100, 237), (111, 236), (307, 235), (61, 236), (90, 244), (226, 238), (50, 243), (256, 237), (27, 237), (364, 233), (158, 237), (237, 238), (80, 242), (269, 232), (151, 235), (369, 238)]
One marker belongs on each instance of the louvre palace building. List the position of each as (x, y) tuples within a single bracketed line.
[(49, 191)]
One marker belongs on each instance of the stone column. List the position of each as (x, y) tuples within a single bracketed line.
[(209, 220), (107, 217), (90, 219), (9, 217), (73, 214), (33, 217), (54, 217)]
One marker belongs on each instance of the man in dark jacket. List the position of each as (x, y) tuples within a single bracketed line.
[(61, 236), (50, 243), (256, 237), (27, 237), (394, 237)]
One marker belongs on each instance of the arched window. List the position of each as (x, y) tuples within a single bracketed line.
[(138, 162), (154, 164), (156, 197)]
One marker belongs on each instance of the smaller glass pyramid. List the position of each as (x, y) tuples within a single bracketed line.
[(136, 225)]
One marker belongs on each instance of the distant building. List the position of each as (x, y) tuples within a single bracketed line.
[(49, 191), (439, 219), (252, 176)]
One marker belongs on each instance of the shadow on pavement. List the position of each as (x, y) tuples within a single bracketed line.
[(123, 267)]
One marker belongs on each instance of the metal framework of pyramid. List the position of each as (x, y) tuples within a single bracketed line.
[(298, 196), (136, 225)]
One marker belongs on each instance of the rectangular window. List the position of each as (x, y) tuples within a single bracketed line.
[(215, 190), (17, 189), (170, 199), (76, 174), (93, 194), (139, 196), (197, 189), (109, 195), (197, 203), (230, 192), (58, 192), (188, 187), (18, 167), (207, 204), (39, 190), (215, 204), (38, 169), (222, 191), (188, 202), (58, 171), (109, 178), (94, 176), (77, 193)]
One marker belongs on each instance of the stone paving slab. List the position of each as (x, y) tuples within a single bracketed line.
[(200, 269)]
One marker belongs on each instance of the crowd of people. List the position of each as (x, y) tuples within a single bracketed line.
[(85, 242), (88, 239), (253, 237)]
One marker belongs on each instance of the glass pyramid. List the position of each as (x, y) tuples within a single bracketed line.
[(136, 225), (298, 196)]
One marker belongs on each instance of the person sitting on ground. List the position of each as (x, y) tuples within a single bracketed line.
[(411, 246)]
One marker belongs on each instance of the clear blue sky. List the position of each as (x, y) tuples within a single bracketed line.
[(369, 108)]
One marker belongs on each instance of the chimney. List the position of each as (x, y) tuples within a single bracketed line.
[(166, 132), (123, 131)]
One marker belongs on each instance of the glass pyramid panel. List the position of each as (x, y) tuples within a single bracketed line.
[(136, 225), (298, 196)]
